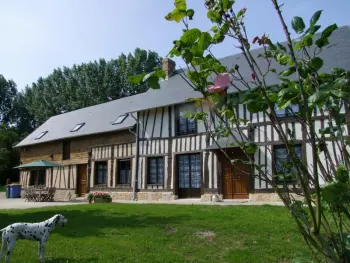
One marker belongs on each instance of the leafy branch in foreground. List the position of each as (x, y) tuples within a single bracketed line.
[(316, 192)]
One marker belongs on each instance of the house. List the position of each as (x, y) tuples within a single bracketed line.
[(155, 153)]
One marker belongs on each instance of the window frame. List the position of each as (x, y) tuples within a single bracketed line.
[(119, 169), (284, 181), (77, 127), (158, 176), (178, 118), (66, 156), (36, 177), (97, 163), (123, 117), (42, 134)]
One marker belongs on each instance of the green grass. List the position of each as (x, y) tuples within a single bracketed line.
[(163, 233), (2, 188)]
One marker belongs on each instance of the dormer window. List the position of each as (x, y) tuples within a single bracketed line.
[(77, 127), (120, 119), (40, 135)]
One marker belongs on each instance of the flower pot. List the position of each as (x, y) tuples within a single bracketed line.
[(101, 200)]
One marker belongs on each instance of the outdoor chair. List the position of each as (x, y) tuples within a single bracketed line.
[(51, 194)]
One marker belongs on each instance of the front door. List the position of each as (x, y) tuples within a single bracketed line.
[(236, 177), (189, 175), (82, 180)]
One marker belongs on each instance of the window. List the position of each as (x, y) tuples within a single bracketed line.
[(189, 171), (120, 119), (77, 127), (155, 170), (66, 150), (284, 165), (100, 173), (124, 172), (289, 111), (185, 125), (40, 135), (37, 177)]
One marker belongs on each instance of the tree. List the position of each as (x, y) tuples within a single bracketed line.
[(9, 157), (8, 94), (323, 217), (85, 85)]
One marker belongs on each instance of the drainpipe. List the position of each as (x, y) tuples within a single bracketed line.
[(136, 159)]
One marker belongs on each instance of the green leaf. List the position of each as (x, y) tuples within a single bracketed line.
[(307, 40), (341, 82), (283, 59), (280, 46), (136, 79), (241, 13), (204, 41), (328, 31), (153, 82), (227, 4), (288, 72), (253, 107), (322, 42), (315, 18), (319, 98), (298, 24), (214, 17), (160, 73), (187, 56), (332, 191), (251, 148), (181, 5), (190, 36), (175, 15), (316, 63), (312, 29), (338, 71), (340, 94), (190, 13), (219, 68), (196, 51)]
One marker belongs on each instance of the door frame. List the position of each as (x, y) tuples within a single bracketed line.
[(176, 175), (78, 179), (249, 188)]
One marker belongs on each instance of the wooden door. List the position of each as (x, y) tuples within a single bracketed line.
[(82, 180), (228, 187), (240, 180), (236, 179)]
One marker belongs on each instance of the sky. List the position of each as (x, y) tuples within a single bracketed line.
[(38, 36)]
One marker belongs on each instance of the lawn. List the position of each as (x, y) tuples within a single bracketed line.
[(2, 188), (163, 233)]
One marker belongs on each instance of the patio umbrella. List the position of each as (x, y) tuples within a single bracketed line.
[(38, 165), (41, 164)]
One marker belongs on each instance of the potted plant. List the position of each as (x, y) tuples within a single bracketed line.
[(90, 197), (102, 197)]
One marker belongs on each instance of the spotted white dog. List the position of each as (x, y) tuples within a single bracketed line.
[(30, 231)]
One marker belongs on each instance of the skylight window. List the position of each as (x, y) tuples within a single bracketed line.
[(120, 119), (40, 135), (77, 127)]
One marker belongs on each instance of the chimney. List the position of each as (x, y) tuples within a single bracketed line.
[(168, 66)]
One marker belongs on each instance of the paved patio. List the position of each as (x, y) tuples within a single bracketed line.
[(19, 203), (199, 202)]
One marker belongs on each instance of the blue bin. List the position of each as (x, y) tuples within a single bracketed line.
[(15, 191)]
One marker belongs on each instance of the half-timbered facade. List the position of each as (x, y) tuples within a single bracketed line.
[(145, 149)]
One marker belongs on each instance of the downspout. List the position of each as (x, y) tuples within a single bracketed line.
[(136, 159)]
